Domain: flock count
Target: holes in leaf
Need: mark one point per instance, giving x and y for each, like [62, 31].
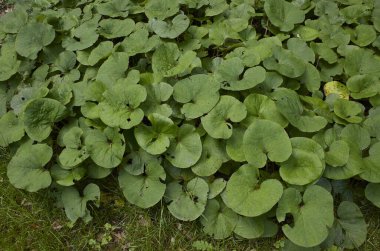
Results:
[229, 126]
[128, 120]
[226, 84]
[365, 153]
[195, 199]
[146, 121]
[161, 180]
[289, 220]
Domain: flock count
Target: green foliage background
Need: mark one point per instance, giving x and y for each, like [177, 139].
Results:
[218, 109]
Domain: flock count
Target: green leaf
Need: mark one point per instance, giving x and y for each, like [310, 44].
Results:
[173, 29]
[32, 38]
[216, 187]
[352, 226]
[363, 86]
[82, 36]
[246, 196]
[372, 193]
[120, 107]
[312, 213]
[186, 149]
[114, 28]
[348, 110]
[114, 8]
[14, 20]
[249, 228]
[301, 49]
[106, 148]
[8, 61]
[217, 122]
[168, 61]
[338, 153]
[305, 164]
[144, 190]
[25, 96]
[76, 205]
[212, 158]
[113, 69]
[285, 62]
[363, 35]
[11, 129]
[155, 139]
[162, 9]
[26, 168]
[157, 94]
[218, 220]
[290, 106]
[229, 74]
[40, 115]
[65, 177]
[262, 107]
[137, 160]
[361, 61]
[187, 202]
[371, 170]
[103, 50]
[234, 145]
[283, 14]
[139, 42]
[199, 94]
[325, 52]
[264, 140]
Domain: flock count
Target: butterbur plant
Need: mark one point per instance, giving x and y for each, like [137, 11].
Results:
[256, 118]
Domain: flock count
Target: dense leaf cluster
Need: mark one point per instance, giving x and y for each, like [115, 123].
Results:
[220, 108]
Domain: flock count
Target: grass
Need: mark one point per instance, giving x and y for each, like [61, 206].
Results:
[31, 221]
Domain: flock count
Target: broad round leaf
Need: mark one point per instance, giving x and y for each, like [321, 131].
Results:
[246, 196]
[312, 214]
[229, 74]
[283, 14]
[212, 158]
[249, 228]
[171, 29]
[106, 148]
[199, 94]
[217, 121]
[187, 202]
[39, 116]
[305, 164]
[216, 187]
[338, 153]
[26, 168]
[352, 224]
[76, 205]
[120, 107]
[155, 139]
[264, 140]
[144, 190]
[186, 149]
[11, 129]
[261, 106]
[218, 220]
[363, 86]
[32, 38]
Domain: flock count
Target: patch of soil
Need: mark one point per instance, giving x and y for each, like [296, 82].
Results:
[4, 7]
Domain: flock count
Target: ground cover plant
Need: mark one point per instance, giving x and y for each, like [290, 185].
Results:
[253, 117]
